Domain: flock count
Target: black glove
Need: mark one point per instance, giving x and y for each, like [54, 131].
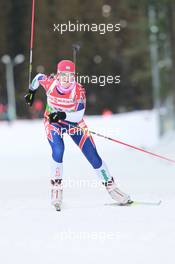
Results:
[56, 116]
[29, 97]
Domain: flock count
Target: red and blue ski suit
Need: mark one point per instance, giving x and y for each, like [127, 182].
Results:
[73, 104]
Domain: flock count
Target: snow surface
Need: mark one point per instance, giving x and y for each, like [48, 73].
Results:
[87, 231]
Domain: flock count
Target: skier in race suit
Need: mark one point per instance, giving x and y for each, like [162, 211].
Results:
[66, 103]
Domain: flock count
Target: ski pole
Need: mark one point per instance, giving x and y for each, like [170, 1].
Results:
[123, 143]
[31, 41]
[134, 147]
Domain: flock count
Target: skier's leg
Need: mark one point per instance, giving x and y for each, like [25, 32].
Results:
[57, 144]
[87, 145]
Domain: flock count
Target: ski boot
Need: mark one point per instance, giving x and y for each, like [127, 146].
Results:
[56, 194]
[116, 194]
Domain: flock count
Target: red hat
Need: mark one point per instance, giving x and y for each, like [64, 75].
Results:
[65, 66]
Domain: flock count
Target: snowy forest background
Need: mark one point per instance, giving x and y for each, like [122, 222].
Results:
[125, 53]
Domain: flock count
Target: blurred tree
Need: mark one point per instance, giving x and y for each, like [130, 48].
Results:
[4, 13]
[171, 24]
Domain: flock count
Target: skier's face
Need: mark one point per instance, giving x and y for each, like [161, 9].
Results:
[66, 78]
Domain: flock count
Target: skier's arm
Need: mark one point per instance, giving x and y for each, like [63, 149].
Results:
[78, 115]
[30, 96]
[36, 81]
[74, 117]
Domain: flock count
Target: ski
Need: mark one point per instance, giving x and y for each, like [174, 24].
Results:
[136, 202]
[153, 203]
